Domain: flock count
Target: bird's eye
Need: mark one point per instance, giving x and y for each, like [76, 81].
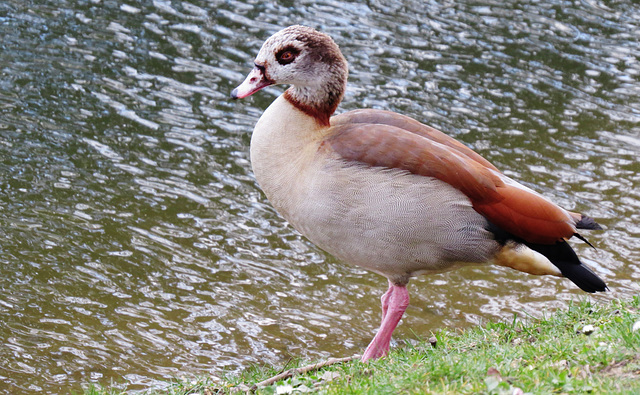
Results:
[287, 55]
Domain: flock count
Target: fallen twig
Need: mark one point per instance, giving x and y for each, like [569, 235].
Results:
[301, 370]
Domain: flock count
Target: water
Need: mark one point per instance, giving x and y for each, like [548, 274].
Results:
[136, 245]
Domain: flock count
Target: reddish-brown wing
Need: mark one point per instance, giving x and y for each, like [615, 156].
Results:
[395, 141]
[381, 117]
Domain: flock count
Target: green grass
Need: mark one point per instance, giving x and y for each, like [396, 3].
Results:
[539, 356]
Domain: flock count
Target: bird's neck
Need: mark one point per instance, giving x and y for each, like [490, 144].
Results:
[319, 99]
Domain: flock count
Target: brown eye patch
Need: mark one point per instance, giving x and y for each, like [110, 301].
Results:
[287, 55]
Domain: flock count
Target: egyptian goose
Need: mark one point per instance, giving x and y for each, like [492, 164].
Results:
[387, 193]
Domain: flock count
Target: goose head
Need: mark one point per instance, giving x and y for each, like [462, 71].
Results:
[309, 61]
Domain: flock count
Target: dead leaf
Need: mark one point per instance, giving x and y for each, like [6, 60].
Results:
[493, 372]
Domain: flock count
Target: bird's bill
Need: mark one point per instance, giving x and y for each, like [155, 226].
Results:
[255, 81]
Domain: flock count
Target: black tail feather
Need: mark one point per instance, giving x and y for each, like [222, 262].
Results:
[564, 258]
[579, 236]
[588, 223]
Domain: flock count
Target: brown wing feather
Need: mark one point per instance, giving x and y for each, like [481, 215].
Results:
[424, 151]
[393, 147]
[370, 116]
[528, 215]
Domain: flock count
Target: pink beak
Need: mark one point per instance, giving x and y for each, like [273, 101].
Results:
[255, 81]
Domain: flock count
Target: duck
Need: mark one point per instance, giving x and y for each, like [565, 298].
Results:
[387, 193]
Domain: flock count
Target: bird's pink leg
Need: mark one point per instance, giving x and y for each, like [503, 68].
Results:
[385, 300]
[397, 299]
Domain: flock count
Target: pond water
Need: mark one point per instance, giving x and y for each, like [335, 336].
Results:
[136, 246]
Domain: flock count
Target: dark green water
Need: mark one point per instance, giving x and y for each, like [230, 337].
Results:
[135, 245]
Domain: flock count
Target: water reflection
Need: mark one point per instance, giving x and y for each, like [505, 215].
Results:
[136, 244]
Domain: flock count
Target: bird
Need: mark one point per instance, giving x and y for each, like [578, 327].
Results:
[387, 193]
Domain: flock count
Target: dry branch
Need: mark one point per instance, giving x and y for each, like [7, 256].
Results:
[301, 370]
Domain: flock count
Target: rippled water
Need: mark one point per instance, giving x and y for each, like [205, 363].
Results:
[135, 245]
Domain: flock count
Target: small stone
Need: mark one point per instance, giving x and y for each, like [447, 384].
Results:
[433, 341]
[588, 329]
[636, 326]
[328, 376]
[284, 389]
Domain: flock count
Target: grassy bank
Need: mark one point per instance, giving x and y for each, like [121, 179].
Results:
[585, 349]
